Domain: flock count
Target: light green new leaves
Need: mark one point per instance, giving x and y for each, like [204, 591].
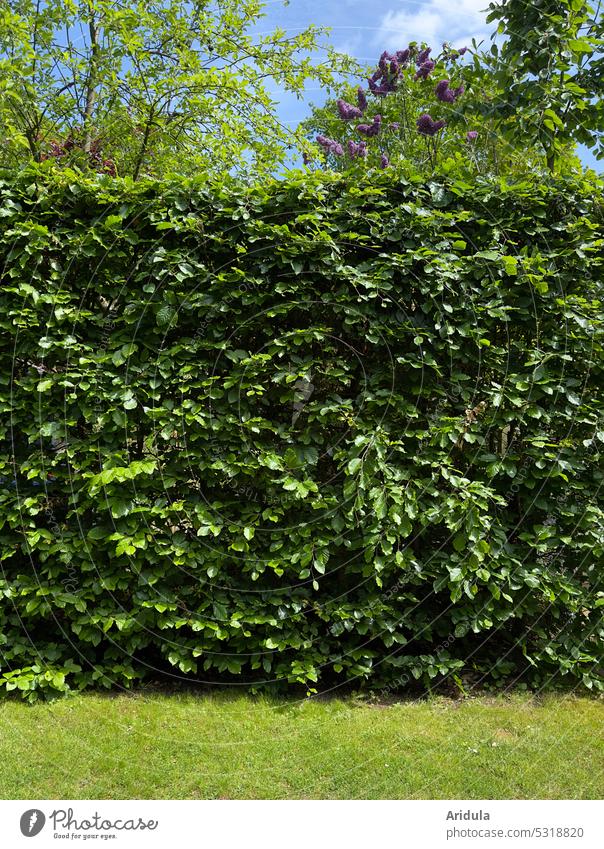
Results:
[149, 87]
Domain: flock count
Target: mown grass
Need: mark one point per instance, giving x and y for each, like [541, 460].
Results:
[183, 746]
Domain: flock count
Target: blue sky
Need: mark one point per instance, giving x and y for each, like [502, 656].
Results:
[363, 28]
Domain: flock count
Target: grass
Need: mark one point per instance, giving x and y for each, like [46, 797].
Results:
[185, 746]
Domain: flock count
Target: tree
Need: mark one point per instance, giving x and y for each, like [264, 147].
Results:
[148, 86]
[376, 122]
[550, 66]
[423, 111]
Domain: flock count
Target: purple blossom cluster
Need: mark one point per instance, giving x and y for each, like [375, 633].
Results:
[330, 145]
[383, 81]
[385, 87]
[348, 111]
[58, 149]
[446, 94]
[427, 126]
[424, 70]
[373, 129]
[356, 149]
[389, 70]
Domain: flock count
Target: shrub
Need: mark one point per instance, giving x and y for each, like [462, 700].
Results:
[309, 432]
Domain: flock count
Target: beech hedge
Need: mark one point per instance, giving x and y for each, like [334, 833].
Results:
[307, 433]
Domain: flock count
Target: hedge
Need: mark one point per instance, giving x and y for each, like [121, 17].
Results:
[307, 433]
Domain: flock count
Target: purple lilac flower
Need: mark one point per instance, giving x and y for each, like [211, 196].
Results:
[384, 161]
[56, 149]
[370, 130]
[348, 111]
[424, 125]
[383, 62]
[385, 88]
[443, 92]
[403, 56]
[356, 149]
[387, 84]
[387, 74]
[424, 70]
[423, 56]
[462, 50]
[446, 94]
[427, 127]
[306, 158]
[330, 145]
[394, 126]
[471, 135]
[361, 100]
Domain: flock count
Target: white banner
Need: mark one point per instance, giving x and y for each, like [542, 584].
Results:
[303, 825]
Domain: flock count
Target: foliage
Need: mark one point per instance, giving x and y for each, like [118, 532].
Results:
[432, 114]
[148, 86]
[550, 66]
[315, 431]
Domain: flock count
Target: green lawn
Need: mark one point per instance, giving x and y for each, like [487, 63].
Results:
[234, 747]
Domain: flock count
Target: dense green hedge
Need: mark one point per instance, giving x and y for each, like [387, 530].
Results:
[309, 432]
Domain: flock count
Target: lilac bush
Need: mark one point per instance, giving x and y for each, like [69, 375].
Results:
[397, 73]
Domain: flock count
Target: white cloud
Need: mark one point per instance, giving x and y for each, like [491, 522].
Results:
[434, 21]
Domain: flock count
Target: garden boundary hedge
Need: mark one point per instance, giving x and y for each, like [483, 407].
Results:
[307, 433]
